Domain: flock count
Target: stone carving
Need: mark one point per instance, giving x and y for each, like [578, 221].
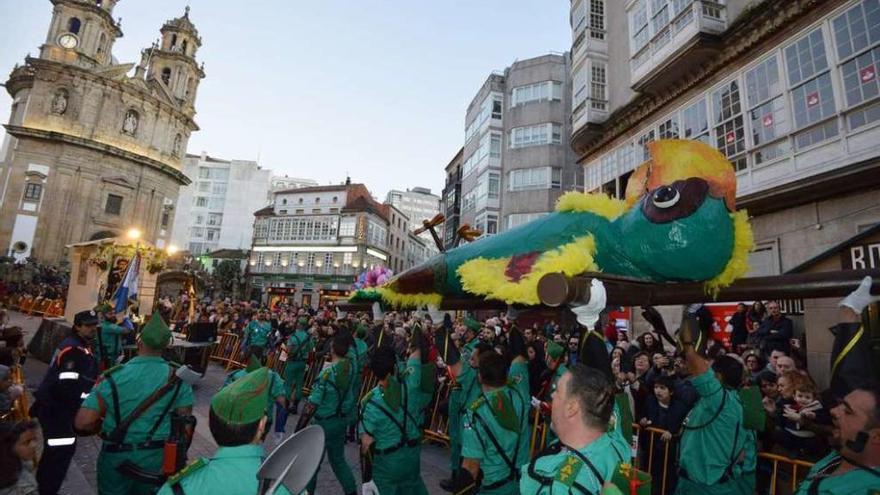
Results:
[60, 101]
[130, 124]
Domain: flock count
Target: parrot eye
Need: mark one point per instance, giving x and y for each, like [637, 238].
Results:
[665, 197]
[675, 201]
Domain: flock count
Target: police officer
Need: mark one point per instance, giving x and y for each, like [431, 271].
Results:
[71, 374]
[109, 338]
[298, 347]
[332, 403]
[132, 406]
[238, 422]
[587, 455]
[493, 431]
[390, 429]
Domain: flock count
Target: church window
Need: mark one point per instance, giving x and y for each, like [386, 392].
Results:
[184, 46]
[33, 192]
[166, 75]
[113, 206]
[101, 42]
[73, 25]
[173, 40]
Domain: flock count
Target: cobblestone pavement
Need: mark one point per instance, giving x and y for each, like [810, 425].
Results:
[82, 477]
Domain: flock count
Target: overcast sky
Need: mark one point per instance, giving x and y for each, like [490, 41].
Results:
[373, 88]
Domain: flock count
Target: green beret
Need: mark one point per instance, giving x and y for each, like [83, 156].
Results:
[244, 401]
[104, 308]
[472, 324]
[554, 350]
[254, 364]
[303, 322]
[156, 335]
[361, 330]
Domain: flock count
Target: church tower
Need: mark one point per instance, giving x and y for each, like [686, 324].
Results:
[173, 61]
[82, 33]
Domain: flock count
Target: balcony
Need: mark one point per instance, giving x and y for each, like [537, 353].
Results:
[690, 39]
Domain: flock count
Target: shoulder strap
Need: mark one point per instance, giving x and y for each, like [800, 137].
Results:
[114, 392]
[118, 434]
[714, 416]
[511, 464]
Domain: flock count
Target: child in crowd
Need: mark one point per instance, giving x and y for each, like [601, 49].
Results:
[801, 420]
[665, 412]
[18, 448]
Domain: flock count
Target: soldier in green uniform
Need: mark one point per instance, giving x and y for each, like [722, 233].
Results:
[518, 378]
[109, 338]
[587, 455]
[256, 335]
[390, 430]
[277, 395]
[471, 332]
[716, 453]
[238, 423]
[464, 391]
[136, 402]
[298, 347]
[492, 432]
[556, 363]
[855, 467]
[332, 403]
[357, 354]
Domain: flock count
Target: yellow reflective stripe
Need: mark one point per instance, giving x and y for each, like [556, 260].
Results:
[846, 349]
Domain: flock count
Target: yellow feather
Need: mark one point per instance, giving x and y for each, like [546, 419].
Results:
[600, 204]
[486, 277]
[409, 300]
[738, 265]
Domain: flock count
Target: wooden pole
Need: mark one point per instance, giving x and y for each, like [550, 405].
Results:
[555, 289]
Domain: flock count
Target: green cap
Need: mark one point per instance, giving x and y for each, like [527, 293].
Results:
[361, 330]
[244, 401]
[554, 350]
[472, 324]
[104, 308]
[303, 322]
[254, 364]
[156, 335]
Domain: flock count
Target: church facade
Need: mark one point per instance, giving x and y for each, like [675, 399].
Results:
[94, 147]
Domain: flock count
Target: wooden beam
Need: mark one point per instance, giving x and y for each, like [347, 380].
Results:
[555, 289]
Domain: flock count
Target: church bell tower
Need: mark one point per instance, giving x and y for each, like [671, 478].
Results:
[173, 61]
[82, 33]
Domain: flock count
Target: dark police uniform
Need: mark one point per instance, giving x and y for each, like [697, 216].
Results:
[71, 374]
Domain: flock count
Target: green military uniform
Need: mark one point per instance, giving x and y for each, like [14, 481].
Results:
[518, 380]
[119, 391]
[494, 427]
[333, 396]
[233, 469]
[257, 332]
[110, 346]
[299, 345]
[391, 416]
[858, 481]
[715, 446]
[464, 392]
[357, 354]
[561, 470]
[276, 384]
[560, 370]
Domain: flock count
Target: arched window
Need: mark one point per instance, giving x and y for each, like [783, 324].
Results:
[166, 76]
[101, 42]
[73, 25]
[183, 47]
[173, 40]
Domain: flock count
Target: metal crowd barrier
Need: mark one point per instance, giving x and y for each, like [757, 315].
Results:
[791, 467]
[34, 306]
[438, 422]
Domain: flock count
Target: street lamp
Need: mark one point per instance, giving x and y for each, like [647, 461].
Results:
[172, 250]
[133, 234]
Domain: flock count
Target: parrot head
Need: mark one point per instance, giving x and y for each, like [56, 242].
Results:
[680, 222]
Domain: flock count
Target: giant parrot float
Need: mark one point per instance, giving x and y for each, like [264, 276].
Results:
[677, 222]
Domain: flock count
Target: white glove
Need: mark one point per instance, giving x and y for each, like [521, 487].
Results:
[588, 314]
[436, 314]
[378, 315]
[860, 298]
[535, 402]
[370, 488]
[340, 314]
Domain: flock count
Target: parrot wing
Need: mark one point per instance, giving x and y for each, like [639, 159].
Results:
[514, 279]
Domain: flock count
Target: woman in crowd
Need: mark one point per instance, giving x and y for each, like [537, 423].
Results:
[18, 449]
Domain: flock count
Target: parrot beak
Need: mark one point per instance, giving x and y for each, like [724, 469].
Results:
[678, 160]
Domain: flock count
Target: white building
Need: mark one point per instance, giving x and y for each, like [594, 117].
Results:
[282, 182]
[216, 210]
[417, 204]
